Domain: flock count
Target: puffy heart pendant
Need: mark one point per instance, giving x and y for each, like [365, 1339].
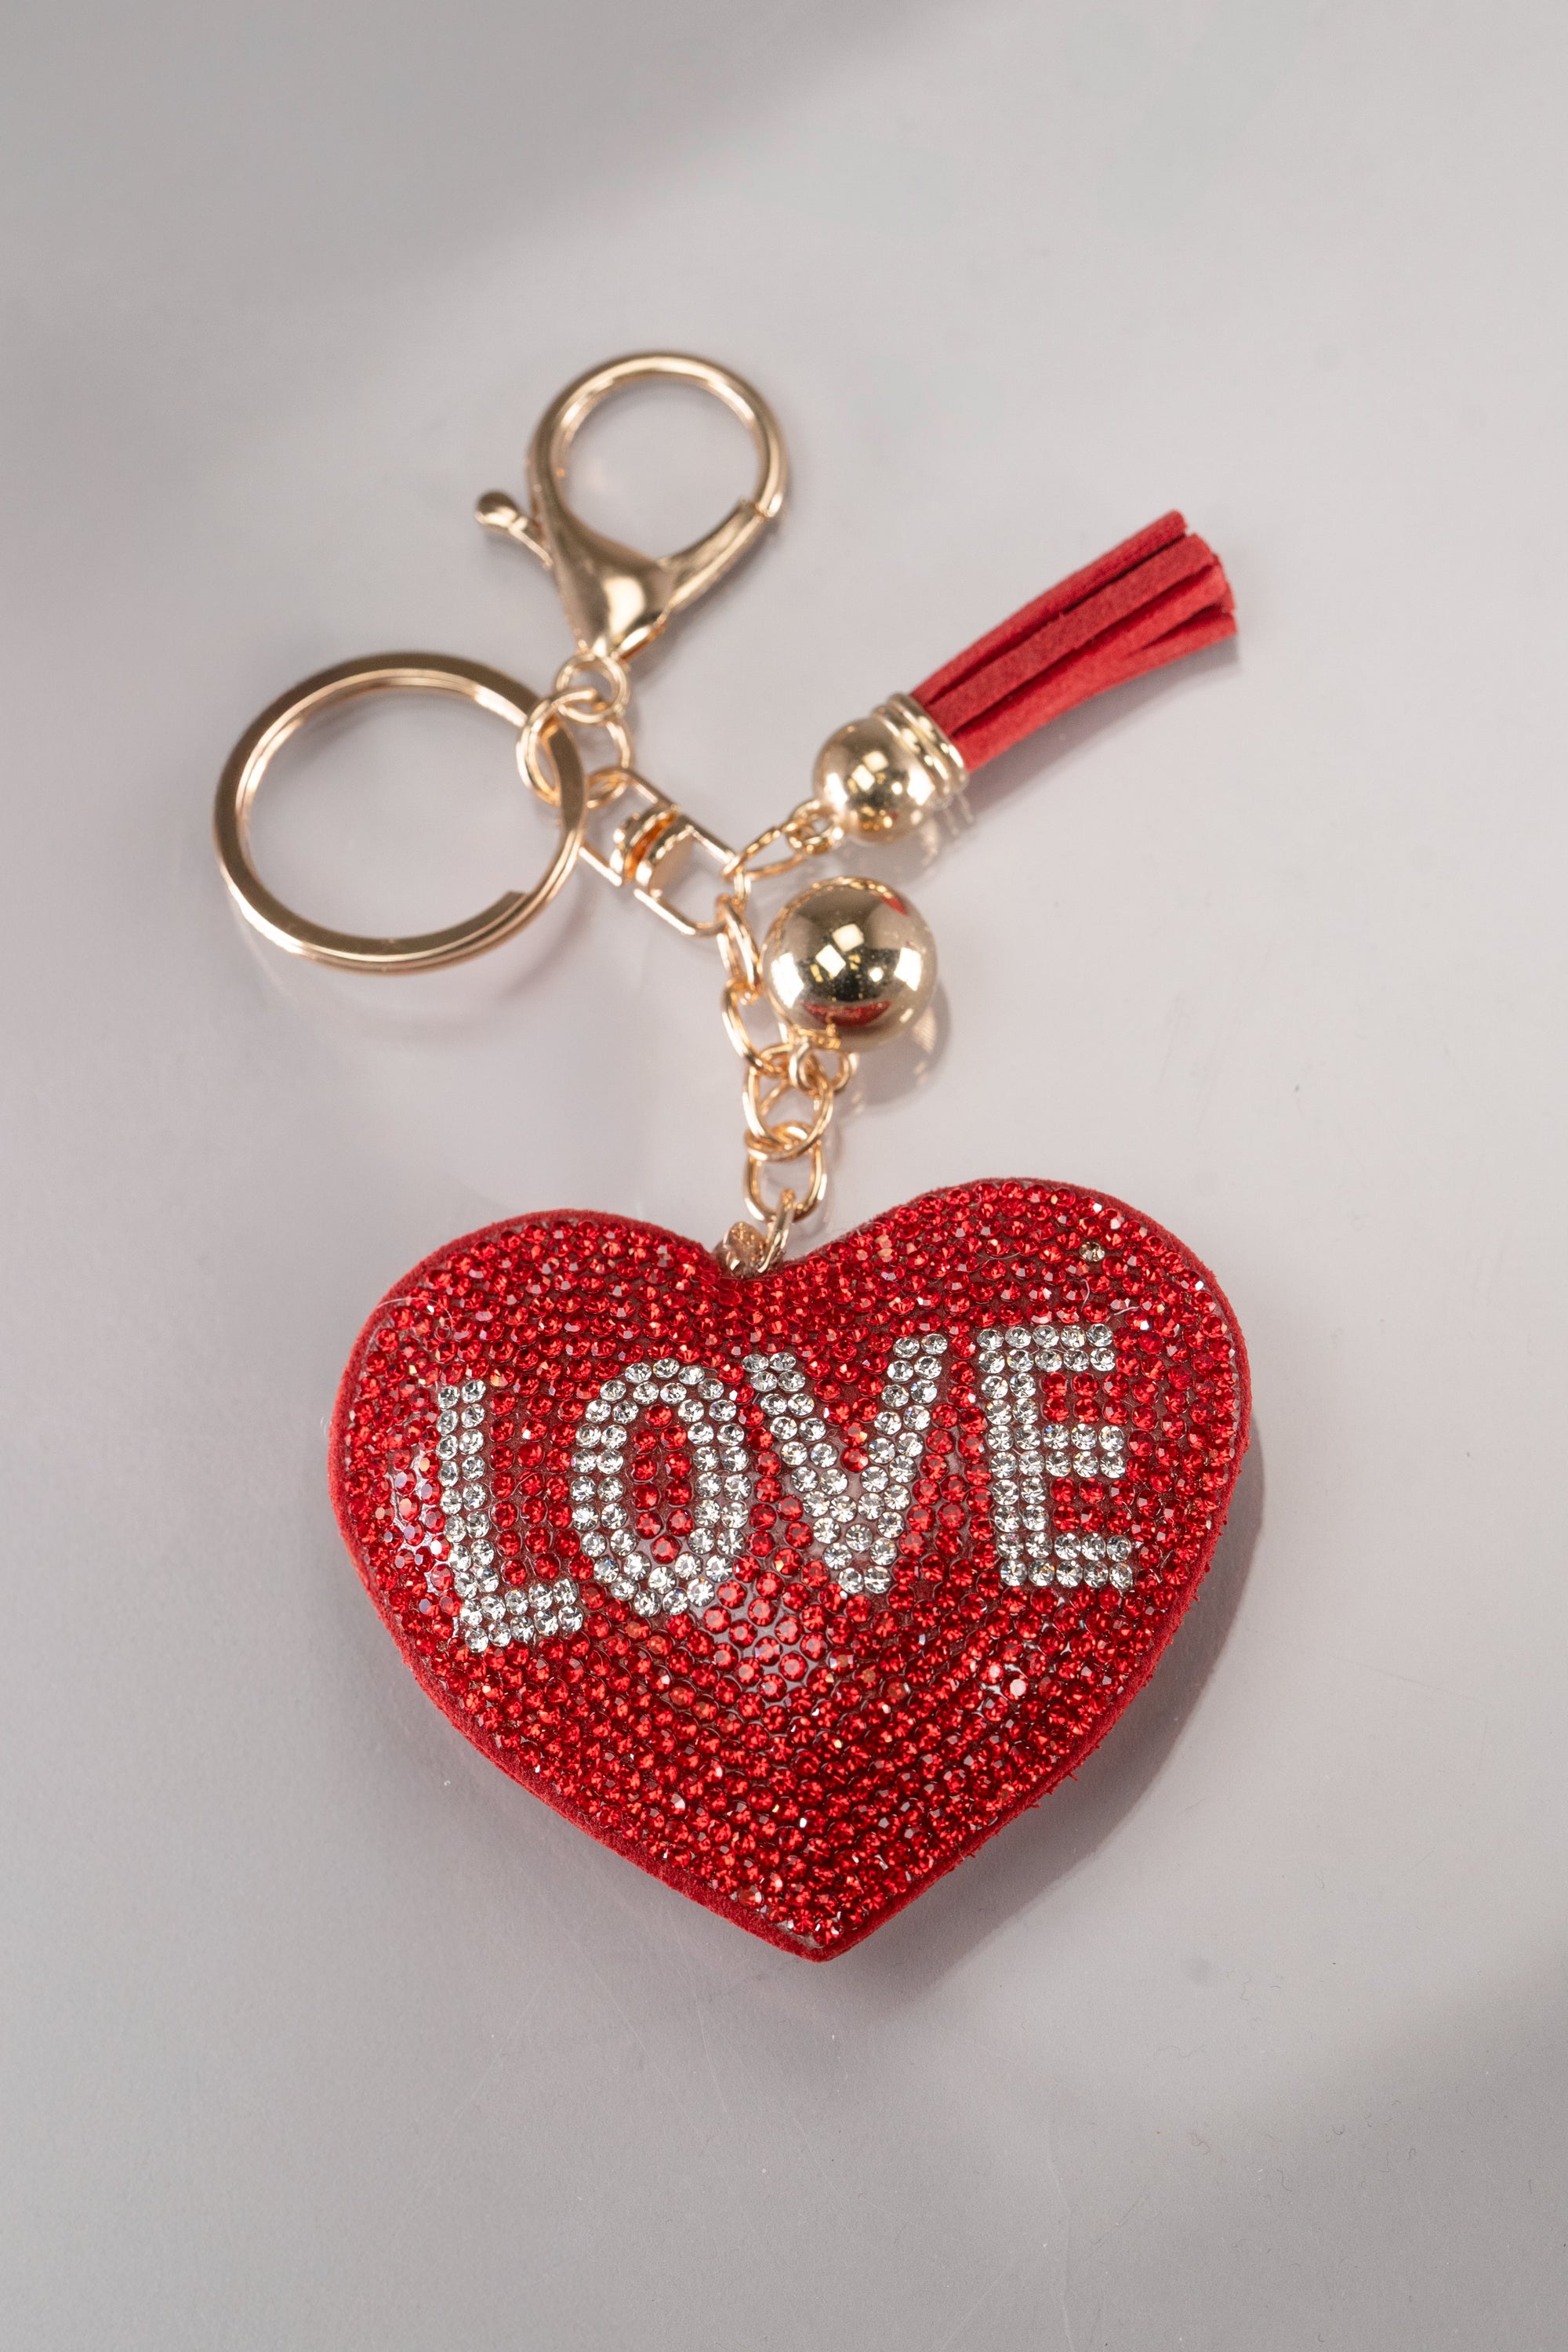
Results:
[794, 1589]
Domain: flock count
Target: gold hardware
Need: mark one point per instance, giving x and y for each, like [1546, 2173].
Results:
[615, 600]
[850, 962]
[643, 847]
[793, 1063]
[746, 1250]
[575, 700]
[880, 775]
[350, 682]
[884, 774]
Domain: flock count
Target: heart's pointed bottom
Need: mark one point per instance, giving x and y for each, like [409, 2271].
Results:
[794, 1589]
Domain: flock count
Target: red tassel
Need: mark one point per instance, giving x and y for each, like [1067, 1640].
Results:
[1159, 595]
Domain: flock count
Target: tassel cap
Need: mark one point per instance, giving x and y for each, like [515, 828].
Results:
[882, 774]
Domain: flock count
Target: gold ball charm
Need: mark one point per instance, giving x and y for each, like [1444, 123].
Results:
[850, 962]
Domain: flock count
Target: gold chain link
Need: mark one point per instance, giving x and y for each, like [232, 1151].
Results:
[577, 700]
[791, 1082]
[790, 1067]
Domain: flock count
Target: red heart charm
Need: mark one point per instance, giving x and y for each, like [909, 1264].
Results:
[792, 1589]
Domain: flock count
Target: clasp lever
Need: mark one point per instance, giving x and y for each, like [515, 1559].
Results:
[615, 600]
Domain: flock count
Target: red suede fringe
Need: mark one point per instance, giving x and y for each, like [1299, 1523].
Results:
[1159, 595]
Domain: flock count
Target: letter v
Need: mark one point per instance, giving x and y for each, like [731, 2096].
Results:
[858, 1533]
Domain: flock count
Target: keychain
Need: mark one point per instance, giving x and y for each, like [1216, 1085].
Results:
[791, 1579]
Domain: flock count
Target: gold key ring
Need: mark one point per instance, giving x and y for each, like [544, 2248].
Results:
[350, 682]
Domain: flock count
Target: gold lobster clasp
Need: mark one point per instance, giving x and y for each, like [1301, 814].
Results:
[615, 600]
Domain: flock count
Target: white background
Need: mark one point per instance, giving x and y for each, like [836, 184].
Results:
[319, 2033]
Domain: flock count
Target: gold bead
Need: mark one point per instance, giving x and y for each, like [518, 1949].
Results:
[850, 962]
[882, 774]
